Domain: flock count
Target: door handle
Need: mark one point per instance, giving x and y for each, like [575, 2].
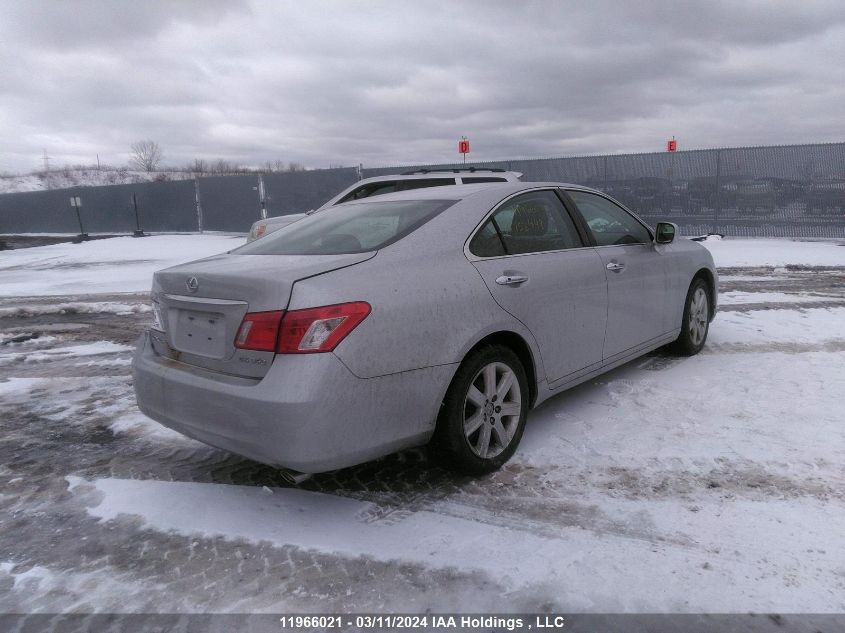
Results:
[511, 280]
[615, 267]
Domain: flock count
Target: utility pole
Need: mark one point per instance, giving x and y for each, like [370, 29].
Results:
[46, 160]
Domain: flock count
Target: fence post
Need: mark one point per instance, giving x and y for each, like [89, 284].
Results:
[262, 198]
[605, 173]
[198, 203]
[138, 232]
[718, 201]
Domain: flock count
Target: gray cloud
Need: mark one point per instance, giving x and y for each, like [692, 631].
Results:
[399, 82]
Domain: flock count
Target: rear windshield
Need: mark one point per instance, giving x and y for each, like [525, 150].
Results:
[352, 228]
[389, 186]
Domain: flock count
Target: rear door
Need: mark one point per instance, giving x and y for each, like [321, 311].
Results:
[637, 281]
[538, 269]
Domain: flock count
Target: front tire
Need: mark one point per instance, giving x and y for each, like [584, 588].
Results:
[696, 320]
[483, 414]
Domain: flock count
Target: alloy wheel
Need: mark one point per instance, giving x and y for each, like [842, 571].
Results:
[492, 409]
[698, 314]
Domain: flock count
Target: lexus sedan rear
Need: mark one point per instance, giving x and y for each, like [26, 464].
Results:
[435, 316]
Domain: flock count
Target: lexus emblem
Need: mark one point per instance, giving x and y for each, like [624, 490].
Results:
[192, 284]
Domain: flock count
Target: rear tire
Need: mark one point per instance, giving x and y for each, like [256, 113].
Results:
[696, 320]
[483, 415]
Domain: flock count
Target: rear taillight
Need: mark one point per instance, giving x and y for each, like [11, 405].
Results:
[319, 329]
[259, 331]
[300, 331]
[158, 317]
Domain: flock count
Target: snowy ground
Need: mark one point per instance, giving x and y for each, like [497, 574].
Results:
[115, 265]
[714, 483]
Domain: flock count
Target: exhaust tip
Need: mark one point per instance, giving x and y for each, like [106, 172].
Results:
[293, 477]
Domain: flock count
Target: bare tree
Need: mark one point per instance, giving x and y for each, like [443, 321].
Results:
[146, 155]
[222, 166]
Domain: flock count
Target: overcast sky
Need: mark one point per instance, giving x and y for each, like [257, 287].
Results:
[384, 83]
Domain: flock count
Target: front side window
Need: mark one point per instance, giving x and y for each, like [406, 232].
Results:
[609, 223]
[357, 228]
[529, 223]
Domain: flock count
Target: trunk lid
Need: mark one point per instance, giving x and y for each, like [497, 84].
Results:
[201, 304]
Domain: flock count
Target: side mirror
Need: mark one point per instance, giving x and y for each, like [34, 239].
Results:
[665, 233]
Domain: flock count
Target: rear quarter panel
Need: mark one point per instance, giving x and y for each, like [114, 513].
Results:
[430, 306]
[424, 312]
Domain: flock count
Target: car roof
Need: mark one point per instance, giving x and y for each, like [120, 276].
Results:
[462, 192]
[451, 174]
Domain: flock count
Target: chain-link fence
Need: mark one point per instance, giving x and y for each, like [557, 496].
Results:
[783, 191]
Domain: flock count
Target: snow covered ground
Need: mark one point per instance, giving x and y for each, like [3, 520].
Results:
[713, 483]
[125, 264]
[775, 252]
[119, 264]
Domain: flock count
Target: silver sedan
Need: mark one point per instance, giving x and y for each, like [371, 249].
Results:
[436, 316]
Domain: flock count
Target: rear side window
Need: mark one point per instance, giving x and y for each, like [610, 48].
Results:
[530, 223]
[609, 223]
[357, 228]
[487, 242]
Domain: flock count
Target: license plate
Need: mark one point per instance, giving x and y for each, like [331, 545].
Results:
[201, 333]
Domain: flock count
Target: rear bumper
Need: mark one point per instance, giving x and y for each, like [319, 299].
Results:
[309, 413]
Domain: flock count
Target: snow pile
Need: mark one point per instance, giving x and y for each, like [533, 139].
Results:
[738, 297]
[763, 327]
[84, 349]
[77, 307]
[120, 264]
[24, 339]
[774, 252]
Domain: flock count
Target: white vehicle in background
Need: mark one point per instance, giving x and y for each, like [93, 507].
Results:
[378, 185]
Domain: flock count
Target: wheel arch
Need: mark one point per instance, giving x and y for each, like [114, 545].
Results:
[707, 275]
[520, 347]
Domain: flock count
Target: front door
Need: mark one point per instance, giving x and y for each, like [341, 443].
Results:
[637, 279]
